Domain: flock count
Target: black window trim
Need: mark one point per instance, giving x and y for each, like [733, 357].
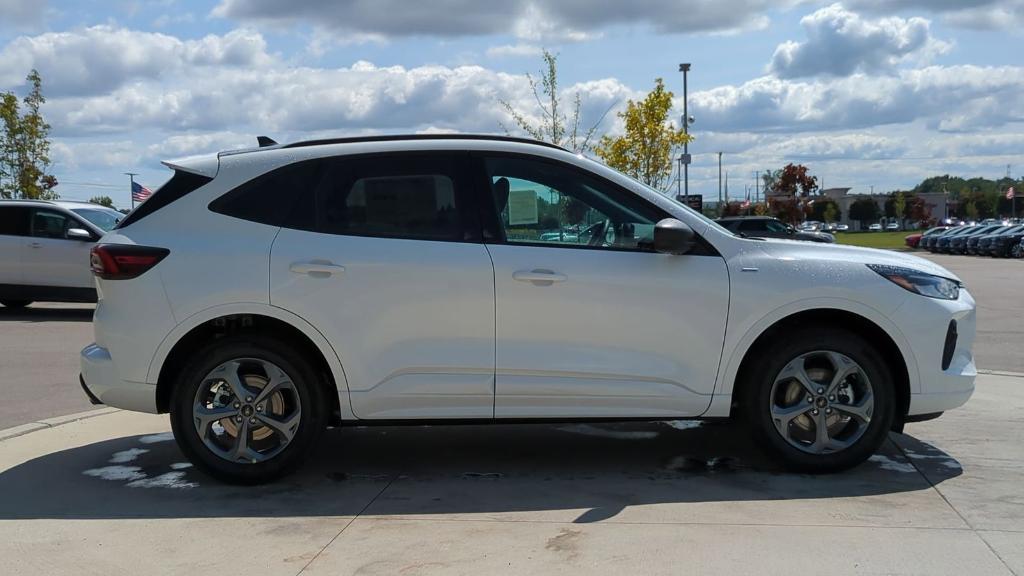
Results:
[494, 232]
[466, 200]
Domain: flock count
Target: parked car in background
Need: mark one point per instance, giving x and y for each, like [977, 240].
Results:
[929, 242]
[914, 239]
[875, 228]
[892, 226]
[44, 250]
[941, 244]
[1017, 250]
[1002, 245]
[768, 227]
[389, 287]
[958, 245]
[842, 227]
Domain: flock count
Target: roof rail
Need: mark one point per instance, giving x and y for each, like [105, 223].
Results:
[397, 137]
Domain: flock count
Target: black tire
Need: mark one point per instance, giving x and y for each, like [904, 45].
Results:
[755, 399]
[15, 304]
[313, 419]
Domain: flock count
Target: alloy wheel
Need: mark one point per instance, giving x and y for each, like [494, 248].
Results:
[821, 402]
[246, 410]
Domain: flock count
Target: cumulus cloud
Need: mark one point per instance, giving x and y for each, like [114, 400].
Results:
[99, 59]
[549, 20]
[513, 51]
[950, 98]
[840, 42]
[979, 14]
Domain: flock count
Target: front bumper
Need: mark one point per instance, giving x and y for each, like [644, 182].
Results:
[925, 322]
[102, 384]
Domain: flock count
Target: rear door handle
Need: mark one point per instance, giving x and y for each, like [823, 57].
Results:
[316, 268]
[539, 277]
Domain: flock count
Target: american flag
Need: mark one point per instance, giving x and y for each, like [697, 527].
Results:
[140, 192]
[1010, 193]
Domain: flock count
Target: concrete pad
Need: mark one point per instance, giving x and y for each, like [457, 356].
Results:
[1009, 546]
[388, 546]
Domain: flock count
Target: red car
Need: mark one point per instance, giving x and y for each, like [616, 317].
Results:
[913, 240]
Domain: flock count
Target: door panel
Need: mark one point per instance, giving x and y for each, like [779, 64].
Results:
[49, 258]
[624, 335]
[411, 320]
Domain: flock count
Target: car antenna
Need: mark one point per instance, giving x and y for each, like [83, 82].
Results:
[265, 141]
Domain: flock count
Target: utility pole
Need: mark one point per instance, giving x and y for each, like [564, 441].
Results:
[131, 189]
[720, 207]
[685, 158]
[757, 186]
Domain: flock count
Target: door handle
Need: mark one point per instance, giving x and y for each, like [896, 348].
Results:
[539, 277]
[316, 268]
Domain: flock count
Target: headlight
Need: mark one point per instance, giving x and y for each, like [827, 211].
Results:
[919, 282]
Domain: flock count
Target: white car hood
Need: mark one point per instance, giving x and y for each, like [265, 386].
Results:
[797, 250]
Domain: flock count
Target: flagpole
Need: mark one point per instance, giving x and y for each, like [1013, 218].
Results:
[131, 177]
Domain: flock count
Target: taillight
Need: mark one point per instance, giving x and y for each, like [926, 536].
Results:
[124, 261]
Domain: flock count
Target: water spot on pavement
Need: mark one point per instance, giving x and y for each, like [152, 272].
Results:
[683, 424]
[116, 473]
[154, 438]
[482, 476]
[125, 456]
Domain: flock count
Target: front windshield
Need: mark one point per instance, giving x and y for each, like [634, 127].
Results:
[103, 218]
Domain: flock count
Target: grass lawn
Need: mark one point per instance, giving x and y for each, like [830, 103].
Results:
[887, 240]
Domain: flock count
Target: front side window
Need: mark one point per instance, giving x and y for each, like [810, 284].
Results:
[774, 226]
[104, 219]
[753, 226]
[550, 204]
[50, 224]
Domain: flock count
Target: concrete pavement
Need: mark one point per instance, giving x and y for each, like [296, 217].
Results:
[113, 495]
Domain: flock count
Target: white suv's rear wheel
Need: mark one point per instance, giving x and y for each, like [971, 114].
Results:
[820, 400]
[247, 409]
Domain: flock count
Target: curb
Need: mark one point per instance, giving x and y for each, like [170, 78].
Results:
[23, 429]
[1001, 373]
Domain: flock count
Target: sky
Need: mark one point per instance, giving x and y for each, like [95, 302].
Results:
[869, 94]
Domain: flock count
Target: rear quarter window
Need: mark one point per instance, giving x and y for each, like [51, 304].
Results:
[180, 185]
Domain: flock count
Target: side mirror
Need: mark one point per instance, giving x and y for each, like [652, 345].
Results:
[673, 237]
[79, 234]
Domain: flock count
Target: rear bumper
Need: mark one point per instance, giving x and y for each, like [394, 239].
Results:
[101, 383]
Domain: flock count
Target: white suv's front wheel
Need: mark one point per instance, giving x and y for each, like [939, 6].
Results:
[247, 409]
[820, 400]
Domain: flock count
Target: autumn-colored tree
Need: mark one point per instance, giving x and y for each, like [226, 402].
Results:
[555, 126]
[794, 180]
[102, 201]
[644, 151]
[25, 145]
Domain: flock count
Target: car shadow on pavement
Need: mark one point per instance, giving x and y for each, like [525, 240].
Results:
[599, 469]
[83, 314]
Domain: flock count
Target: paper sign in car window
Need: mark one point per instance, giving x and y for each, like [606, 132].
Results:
[522, 207]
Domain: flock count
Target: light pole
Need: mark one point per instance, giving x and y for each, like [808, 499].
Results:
[131, 189]
[685, 158]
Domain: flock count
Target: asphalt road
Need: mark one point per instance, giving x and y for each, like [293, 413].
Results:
[39, 346]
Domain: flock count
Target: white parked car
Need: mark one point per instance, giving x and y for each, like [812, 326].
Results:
[262, 295]
[875, 228]
[892, 226]
[44, 250]
[842, 227]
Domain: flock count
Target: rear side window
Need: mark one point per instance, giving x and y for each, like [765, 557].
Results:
[14, 221]
[181, 184]
[753, 225]
[270, 198]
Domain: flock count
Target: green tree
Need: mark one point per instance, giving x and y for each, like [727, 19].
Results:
[102, 201]
[25, 145]
[899, 206]
[864, 210]
[831, 213]
[555, 126]
[970, 210]
[644, 151]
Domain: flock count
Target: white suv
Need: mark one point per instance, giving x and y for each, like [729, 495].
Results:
[44, 250]
[262, 295]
